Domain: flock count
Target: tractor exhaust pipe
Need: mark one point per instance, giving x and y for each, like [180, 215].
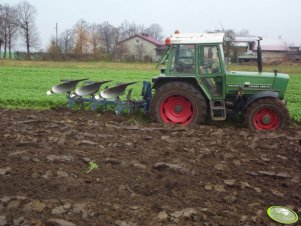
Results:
[259, 55]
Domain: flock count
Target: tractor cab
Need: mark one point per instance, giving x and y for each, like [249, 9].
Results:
[199, 56]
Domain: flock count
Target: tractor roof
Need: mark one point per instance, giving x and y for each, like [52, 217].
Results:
[193, 38]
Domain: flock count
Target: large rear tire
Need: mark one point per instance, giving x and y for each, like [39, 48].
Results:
[267, 114]
[178, 103]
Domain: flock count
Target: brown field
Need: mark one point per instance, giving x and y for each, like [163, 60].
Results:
[147, 174]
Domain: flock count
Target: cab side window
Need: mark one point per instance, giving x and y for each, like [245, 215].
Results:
[209, 60]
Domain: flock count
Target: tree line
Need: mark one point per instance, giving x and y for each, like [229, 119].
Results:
[18, 22]
[91, 41]
[83, 41]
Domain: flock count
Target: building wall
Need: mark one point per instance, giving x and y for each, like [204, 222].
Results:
[294, 55]
[140, 49]
[274, 56]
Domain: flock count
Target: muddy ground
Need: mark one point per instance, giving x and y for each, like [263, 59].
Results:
[147, 174]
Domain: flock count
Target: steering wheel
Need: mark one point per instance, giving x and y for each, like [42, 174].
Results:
[209, 67]
[182, 65]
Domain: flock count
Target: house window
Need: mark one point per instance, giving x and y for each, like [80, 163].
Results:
[137, 41]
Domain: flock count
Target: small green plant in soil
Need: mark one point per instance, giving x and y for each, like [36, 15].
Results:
[92, 166]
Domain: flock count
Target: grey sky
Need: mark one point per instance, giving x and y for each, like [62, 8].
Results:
[268, 18]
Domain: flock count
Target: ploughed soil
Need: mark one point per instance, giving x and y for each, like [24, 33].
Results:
[147, 174]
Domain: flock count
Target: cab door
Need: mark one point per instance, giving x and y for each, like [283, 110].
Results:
[210, 71]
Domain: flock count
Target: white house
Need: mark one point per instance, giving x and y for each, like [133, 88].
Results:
[141, 48]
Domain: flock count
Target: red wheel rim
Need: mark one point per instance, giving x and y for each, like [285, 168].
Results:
[176, 110]
[266, 119]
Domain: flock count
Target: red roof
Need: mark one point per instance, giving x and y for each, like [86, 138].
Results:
[147, 38]
[152, 40]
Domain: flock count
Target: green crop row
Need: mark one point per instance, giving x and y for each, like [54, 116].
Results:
[23, 87]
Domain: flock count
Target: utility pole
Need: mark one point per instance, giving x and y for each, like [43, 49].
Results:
[56, 35]
[67, 39]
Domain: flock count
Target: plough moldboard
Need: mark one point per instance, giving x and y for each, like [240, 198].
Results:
[89, 92]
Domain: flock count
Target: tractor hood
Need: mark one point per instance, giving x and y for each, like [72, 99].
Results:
[252, 82]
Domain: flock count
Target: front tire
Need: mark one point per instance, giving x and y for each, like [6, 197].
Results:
[267, 114]
[178, 103]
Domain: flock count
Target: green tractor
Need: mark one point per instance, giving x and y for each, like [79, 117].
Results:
[195, 84]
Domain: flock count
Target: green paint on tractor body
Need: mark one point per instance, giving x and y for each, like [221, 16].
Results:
[198, 60]
[191, 64]
[253, 82]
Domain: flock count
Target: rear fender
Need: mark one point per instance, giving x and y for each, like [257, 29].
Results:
[159, 81]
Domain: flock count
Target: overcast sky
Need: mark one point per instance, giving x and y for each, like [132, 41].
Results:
[268, 18]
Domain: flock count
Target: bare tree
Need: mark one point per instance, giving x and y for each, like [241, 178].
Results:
[12, 27]
[2, 28]
[1, 41]
[8, 28]
[244, 33]
[127, 30]
[121, 53]
[110, 36]
[26, 20]
[95, 40]
[81, 32]
[60, 48]
[155, 30]
[66, 42]
[229, 48]
[53, 50]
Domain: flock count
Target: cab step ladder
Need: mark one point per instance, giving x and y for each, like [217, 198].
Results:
[218, 110]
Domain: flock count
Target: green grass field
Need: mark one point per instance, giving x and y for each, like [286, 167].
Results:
[24, 84]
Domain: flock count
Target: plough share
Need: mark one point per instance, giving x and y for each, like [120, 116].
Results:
[89, 92]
